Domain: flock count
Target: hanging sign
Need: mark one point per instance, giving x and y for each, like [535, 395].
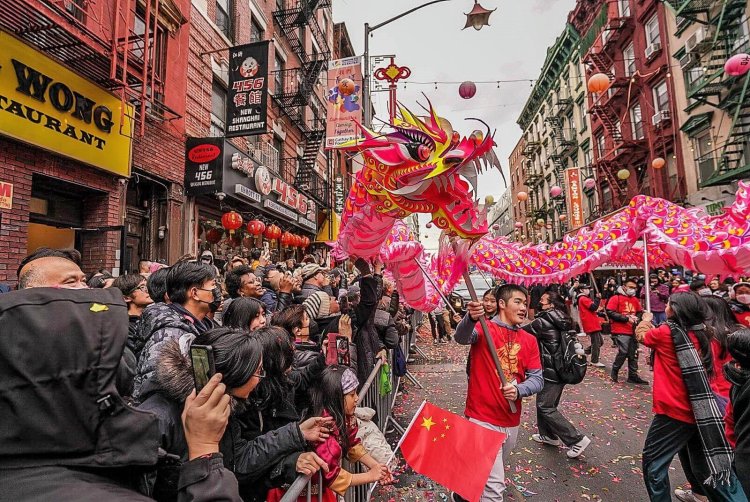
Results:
[6, 195]
[338, 195]
[247, 95]
[344, 108]
[574, 196]
[203, 165]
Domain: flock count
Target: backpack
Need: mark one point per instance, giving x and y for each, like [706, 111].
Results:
[399, 362]
[569, 365]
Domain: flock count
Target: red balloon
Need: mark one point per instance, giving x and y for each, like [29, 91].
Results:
[256, 227]
[231, 221]
[467, 89]
[214, 235]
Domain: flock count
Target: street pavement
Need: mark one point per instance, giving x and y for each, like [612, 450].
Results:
[615, 416]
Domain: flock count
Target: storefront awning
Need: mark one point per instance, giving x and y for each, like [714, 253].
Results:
[329, 231]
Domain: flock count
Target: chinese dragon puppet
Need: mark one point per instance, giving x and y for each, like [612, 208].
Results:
[423, 166]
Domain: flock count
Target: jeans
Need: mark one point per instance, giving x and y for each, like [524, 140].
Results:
[596, 344]
[549, 420]
[626, 349]
[493, 491]
[666, 437]
[659, 318]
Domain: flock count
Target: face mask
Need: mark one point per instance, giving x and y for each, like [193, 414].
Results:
[744, 299]
[630, 291]
[705, 292]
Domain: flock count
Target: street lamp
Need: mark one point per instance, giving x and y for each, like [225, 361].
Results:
[477, 18]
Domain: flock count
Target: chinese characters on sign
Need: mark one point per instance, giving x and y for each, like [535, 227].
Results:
[247, 95]
[344, 101]
[338, 195]
[575, 196]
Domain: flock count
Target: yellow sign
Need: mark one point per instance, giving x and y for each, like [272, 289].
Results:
[6, 195]
[47, 105]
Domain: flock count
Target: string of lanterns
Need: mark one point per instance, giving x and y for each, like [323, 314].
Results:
[232, 226]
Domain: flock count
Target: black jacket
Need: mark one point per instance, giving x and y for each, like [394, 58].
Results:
[309, 363]
[307, 290]
[740, 398]
[276, 302]
[249, 460]
[548, 328]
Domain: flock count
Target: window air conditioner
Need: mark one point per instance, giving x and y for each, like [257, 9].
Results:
[652, 49]
[659, 117]
[687, 60]
[695, 39]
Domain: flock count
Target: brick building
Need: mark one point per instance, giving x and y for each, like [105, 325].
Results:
[91, 135]
[518, 210]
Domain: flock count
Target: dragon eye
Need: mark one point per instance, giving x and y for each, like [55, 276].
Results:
[455, 138]
[423, 152]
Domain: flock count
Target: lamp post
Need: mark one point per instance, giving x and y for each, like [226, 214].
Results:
[477, 18]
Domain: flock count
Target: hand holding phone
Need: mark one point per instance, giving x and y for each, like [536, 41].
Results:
[202, 357]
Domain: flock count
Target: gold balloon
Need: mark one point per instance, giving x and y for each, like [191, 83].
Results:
[623, 174]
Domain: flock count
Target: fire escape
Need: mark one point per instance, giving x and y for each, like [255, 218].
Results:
[564, 144]
[125, 63]
[720, 37]
[295, 17]
[608, 109]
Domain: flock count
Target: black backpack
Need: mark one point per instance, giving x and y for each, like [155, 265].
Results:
[569, 366]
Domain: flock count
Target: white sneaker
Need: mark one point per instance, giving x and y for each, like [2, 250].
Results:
[597, 365]
[688, 496]
[546, 440]
[578, 448]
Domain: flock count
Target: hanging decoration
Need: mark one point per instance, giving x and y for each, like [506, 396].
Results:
[467, 89]
[478, 17]
[522, 196]
[589, 183]
[598, 83]
[518, 225]
[305, 241]
[540, 222]
[563, 217]
[286, 239]
[256, 227]
[737, 65]
[623, 174]
[555, 191]
[658, 163]
[272, 232]
[214, 235]
[495, 227]
[231, 221]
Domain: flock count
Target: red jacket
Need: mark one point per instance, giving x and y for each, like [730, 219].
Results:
[590, 322]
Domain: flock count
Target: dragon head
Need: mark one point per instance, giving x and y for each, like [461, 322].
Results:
[423, 166]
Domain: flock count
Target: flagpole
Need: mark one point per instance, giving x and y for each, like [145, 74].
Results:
[429, 278]
[393, 455]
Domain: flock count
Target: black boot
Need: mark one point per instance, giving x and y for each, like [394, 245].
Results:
[613, 375]
[637, 380]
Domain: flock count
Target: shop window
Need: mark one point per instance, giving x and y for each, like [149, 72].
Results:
[224, 14]
[652, 31]
[628, 57]
[661, 97]
[218, 109]
[636, 122]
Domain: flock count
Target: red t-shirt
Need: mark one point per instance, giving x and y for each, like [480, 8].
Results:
[719, 383]
[590, 322]
[669, 395]
[743, 318]
[518, 352]
[626, 305]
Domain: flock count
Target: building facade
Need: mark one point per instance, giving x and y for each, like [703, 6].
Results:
[635, 120]
[500, 216]
[91, 137]
[518, 208]
[713, 108]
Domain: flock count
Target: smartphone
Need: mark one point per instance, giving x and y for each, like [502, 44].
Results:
[202, 357]
[342, 351]
[266, 250]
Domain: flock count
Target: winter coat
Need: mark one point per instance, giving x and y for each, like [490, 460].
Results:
[159, 323]
[276, 302]
[740, 399]
[250, 461]
[386, 326]
[659, 296]
[307, 290]
[372, 438]
[548, 328]
[309, 363]
[366, 338]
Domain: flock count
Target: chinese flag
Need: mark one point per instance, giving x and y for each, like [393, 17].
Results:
[451, 451]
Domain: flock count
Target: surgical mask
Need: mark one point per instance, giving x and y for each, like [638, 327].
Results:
[630, 291]
[217, 297]
[744, 299]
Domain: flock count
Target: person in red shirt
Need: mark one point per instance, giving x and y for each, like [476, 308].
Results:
[623, 309]
[487, 401]
[674, 424]
[740, 302]
[591, 323]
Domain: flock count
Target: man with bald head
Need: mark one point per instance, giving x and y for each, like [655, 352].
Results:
[52, 268]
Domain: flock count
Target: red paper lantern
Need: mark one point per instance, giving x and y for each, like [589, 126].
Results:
[658, 163]
[297, 241]
[256, 227]
[286, 239]
[272, 232]
[214, 235]
[231, 221]
[737, 65]
[598, 83]
[305, 241]
[467, 89]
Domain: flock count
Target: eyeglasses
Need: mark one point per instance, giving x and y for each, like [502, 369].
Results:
[142, 288]
[260, 373]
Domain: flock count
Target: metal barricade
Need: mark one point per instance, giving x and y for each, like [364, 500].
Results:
[302, 483]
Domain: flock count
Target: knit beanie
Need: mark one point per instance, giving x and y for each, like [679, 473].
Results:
[317, 305]
[349, 381]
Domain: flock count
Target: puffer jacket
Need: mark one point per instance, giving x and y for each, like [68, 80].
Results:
[159, 324]
[269, 457]
[548, 328]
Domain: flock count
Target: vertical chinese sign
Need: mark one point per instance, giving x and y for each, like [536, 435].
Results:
[247, 96]
[574, 185]
[344, 98]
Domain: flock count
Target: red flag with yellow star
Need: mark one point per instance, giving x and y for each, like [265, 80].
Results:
[451, 451]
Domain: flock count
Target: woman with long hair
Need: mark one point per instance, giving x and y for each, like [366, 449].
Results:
[686, 413]
[245, 313]
[550, 328]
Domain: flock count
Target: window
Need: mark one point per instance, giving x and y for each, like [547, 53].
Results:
[704, 155]
[743, 35]
[624, 7]
[218, 109]
[636, 122]
[652, 30]
[673, 179]
[661, 97]
[159, 51]
[606, 197]
[587, 157]
[224, 14]
[278, 66]
[628, 57]
[600, 146]
[77, 9]
[256, 31]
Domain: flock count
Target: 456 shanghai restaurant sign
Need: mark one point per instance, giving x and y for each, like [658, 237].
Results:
[45, 104]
